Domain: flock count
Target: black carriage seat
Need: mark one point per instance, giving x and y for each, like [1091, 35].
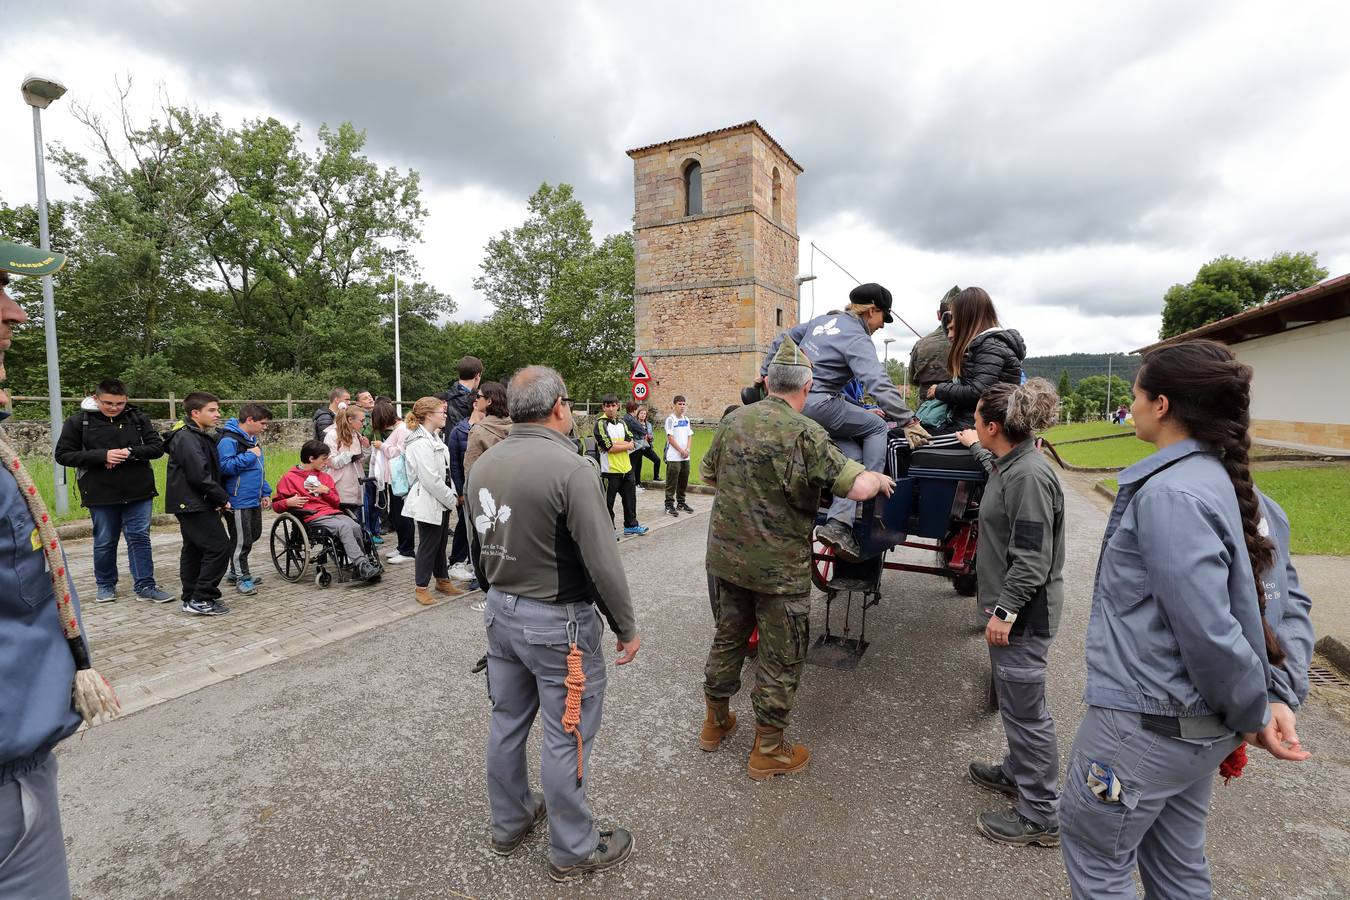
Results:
[948, 459]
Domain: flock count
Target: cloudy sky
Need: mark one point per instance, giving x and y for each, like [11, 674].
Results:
[1073, 159]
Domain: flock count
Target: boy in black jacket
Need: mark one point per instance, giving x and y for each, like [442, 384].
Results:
[193, 492]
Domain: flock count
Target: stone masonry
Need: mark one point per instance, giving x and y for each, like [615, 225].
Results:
[713, 289]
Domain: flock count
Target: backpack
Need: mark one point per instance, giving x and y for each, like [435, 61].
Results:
[398, 477]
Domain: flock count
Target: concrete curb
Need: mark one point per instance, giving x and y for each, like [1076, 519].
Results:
[1105, 491]
[1336, 651]
[1093, 440]
[693, 488]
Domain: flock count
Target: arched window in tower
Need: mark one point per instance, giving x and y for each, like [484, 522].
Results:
[693, 188]
[777, 196]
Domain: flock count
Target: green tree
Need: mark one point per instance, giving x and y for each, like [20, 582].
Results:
[895, 371]
[561, 300]
[1065, 387]
[1092, 394]
[1226, 286]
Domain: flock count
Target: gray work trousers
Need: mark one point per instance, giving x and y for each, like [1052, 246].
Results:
[859, 434]
[1032, 762]
[1159, 825]
[32, 848]
[527, 663]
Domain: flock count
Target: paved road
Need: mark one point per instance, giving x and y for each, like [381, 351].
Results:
[355, 770]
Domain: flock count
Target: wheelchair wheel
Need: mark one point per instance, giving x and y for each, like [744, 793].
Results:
[290, 547]
[323, 578]
[822, 570]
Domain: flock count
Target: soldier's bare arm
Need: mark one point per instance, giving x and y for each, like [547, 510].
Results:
[868, 484]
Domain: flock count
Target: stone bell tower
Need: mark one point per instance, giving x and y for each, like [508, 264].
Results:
[716, 261]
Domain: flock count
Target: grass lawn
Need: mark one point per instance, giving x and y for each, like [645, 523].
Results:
[1082, 430]
[278, 461]
[702, 438]
[1315, 501]
[1105, 454]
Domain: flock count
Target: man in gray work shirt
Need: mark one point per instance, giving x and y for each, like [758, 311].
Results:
[544, 547]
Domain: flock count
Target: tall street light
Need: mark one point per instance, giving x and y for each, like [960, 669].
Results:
[398, 351]
[38, 93]
[887, 342]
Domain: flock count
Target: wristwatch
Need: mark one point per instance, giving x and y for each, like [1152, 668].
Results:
[1006, 615]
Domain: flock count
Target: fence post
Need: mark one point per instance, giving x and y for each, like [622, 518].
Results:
[290, 406]
[172, 408]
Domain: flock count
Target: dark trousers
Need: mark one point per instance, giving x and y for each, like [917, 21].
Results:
[431, 541]
[459, 547]
[373, 504]
[205, 555]
[636, 458]
[677, 480]
[404, 527]
[1032, 761]
[624, 486]
[244, 526]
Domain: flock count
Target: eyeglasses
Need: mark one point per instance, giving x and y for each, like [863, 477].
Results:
[567, 400]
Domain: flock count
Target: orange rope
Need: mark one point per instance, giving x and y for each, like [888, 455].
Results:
[576, 683]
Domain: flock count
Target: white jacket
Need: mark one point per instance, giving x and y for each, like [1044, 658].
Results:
[426, 461]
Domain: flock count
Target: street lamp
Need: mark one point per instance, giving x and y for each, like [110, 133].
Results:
[888, 342]
[38, 93]
[398, 354]
[799, 281]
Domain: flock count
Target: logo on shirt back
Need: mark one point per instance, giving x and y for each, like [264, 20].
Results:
[828, 328]
[491, 516]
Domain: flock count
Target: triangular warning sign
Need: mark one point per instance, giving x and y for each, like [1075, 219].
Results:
[640, 372]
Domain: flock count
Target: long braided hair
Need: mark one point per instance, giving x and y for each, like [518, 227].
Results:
[1209, 393]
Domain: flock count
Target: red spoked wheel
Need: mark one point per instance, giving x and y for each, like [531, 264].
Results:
[822, 564]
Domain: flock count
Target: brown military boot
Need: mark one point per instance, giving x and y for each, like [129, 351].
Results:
[718, 726]
[774, 754]
[446, 586]
[424, 596]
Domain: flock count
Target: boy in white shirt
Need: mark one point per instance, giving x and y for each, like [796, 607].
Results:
[679, 442]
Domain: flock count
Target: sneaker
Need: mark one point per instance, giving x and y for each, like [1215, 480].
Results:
[684, 507]
[636, 529]
[155, 594]
[640, 489]
[461, 572]
[473, 586]
[991, 778]
[106, 595]
[509, 846]
[395, 558]
[376, 540]
[478, 605]
[671, 511]
[841, 539]
[220, 608]
[231, 578]
[203, 608]
[614, 848]
[1008, 826]
[246, 586]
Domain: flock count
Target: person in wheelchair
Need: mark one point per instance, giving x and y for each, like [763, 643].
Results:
[840, 348]
[309, 492]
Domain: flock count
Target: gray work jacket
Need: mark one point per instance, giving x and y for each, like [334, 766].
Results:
[1021, 549]
[1288, 610]
[1175, 629]
[840, 349]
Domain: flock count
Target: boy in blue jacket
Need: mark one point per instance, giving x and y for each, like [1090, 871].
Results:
[243, 470]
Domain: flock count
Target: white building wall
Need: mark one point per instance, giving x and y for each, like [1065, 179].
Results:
[1301, 375]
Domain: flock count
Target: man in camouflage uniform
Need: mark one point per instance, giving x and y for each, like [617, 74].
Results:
[928, 359]
[769, 464]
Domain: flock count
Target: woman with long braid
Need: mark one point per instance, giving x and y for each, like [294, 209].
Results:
[47, 685]
[1185, 657]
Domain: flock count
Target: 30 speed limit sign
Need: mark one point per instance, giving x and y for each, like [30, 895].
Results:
[639, 391]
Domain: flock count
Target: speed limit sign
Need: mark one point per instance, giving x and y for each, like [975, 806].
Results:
[639, 391]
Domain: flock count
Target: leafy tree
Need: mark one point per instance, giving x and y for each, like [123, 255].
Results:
[1065, 387]
[1092, 394]
[1226, 286]
[895, 371]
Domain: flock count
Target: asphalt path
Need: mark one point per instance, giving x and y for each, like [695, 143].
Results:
[356, 770]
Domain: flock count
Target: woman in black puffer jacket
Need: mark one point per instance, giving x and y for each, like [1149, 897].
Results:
[982, 354]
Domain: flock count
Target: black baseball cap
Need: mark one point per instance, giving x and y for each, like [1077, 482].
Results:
[873, 294]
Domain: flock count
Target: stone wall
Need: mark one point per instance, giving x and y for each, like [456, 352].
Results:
[33, 438]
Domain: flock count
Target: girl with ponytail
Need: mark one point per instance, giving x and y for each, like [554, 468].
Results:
[1198, 638]
[1019, 565]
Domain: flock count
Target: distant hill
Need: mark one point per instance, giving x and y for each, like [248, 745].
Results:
[1079, 366]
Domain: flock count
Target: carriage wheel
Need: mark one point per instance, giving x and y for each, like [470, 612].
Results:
[290, 547]
[822, 570]
[966, 585]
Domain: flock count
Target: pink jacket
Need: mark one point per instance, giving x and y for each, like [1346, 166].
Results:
[344, 464]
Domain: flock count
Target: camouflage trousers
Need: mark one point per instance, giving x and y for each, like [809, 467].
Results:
[784, 630]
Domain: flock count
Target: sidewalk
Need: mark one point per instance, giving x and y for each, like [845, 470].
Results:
[154, 652]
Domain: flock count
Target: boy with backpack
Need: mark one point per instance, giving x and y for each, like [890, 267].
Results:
[193, 492]
[245, 479]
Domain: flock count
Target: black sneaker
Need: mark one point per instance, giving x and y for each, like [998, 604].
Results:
[221, 608]
[506, 848]
[684, 507]
[203, 608]
[1008, 826]
[613, 849]
[841, 539]
[991, 778]
[670, 511]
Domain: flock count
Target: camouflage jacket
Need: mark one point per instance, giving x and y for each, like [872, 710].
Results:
[928, 360]
[769, 464]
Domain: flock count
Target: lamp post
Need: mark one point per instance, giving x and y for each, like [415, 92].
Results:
[799, 281]
[38, 93]
[398, 356]
[887, 342]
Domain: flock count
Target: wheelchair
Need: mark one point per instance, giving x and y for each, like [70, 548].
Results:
[300, 545]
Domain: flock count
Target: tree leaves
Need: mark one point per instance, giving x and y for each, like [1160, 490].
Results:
[1226, 286]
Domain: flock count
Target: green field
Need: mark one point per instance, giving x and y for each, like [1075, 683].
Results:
[1113, 454]
[702, 438]
[1084, 430]
[1314, 499]
[278, 461]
